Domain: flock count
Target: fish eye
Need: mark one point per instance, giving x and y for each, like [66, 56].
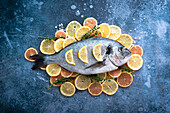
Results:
[120, 49]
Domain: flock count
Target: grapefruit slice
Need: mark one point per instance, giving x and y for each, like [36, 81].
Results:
[115, 73]
[95, 89]
[60, 33]
[30, 52]
[66, 73]
[125, 79]
[53, 79]
[136, 49]
[90, 22]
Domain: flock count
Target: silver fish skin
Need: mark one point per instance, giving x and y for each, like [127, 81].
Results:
[113, 53]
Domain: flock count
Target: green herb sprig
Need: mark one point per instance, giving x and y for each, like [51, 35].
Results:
[97, 79]
[50, 38]
[124, 68]
[91, 33]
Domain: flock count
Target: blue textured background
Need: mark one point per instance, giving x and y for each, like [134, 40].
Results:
[23, 90]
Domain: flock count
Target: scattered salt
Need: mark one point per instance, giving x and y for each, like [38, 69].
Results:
[56, 27]
[91, 6]
[84, 3]
[135, 29]
[139, 38]
[82, 16]
[135, 37]
[133, 18]
[77, 13]
[73, 7]
[130, 30]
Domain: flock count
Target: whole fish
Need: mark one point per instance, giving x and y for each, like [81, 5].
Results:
[113, 53]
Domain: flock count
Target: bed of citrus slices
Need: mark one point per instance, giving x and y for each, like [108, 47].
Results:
[107, 82]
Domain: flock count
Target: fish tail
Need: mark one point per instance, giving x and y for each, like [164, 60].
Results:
[39, 61]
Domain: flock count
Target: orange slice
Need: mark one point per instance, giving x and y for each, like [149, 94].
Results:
[135, 62]
[136, 49]
[53, 70]
[125, 79]
[30, 52]
[53, 79]
[60, 33]
[115, 73]
[66, 73]
[90, 22]
[95, 89]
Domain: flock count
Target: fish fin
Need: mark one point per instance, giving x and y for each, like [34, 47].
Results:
[97, 64]
[39, 61]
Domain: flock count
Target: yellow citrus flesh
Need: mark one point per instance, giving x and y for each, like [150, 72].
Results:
[115, 73]
[102, 76]
[97, 52]
[136, 49]
[47, 46]
[125, 40]
[53, 70]
[95, 89]
[115, 32]
[125, 79]
[82, 82]
[105, 29]
[67, 89]
[72, 27]
[68, 41]
[81, 31]
[30, 52]
[43, 67]
[74, 74]
[90, 22]
[60, 33]
[135, 62]
[58, 45]
[110, 87]
[82, 54]
[69, 57]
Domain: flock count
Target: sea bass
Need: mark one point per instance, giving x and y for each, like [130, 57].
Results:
[113, 54]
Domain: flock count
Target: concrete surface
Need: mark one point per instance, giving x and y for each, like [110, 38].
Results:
[23, 90]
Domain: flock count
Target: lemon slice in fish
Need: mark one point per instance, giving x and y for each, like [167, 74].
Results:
[58, 45]
[105, 29]
[82, 54]
[69, 57]
[81, 31]
[68, 41]
[53, 69]
[72, 27]
[110, 87]
[115, 32]
[97, 52]
[125, 40]
[47, 46]
[82, 82]
[67, 89]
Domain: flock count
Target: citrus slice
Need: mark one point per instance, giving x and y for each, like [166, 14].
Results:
[125, 40]
[30, 52]
[60, 33]
[102, 76]
[110, 87]
[58, 45]
[69, 57]
[90, 22]
[99, 33]
[125, 79]
[68, 41]
[136, 49]
[115, 32]
[65, 73]
[53, 69]
[82, 54]
[72, 27]
[67, 89]
[115, 73]
[105, 29]
[43, 67]
[47, 46]
[74, 74]
[81, 31]
[82, 82]
[135, 62]
[95, 89]
[97, 52]
[53, 79]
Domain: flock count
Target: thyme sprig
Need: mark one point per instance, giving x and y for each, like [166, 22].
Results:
[91, 33]
[97, 79]
[124, 68]
[50, 38]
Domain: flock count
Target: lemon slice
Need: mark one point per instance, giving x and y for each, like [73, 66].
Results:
[90, 22]
[82, 54]
[82, 82]
[68, 41]
[58, 45]
[115, 32]
[97, 52]
[69, 57]
[135, 62]
[110, 87]
[81, 31]
[105, 29]
[67, 89]
[47, 46]
[72, 27]
[74, 74]
[125, 40]
[53, 70]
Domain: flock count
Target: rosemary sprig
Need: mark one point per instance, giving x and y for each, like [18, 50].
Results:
[124, 68]
[50, 38]
[91, 33]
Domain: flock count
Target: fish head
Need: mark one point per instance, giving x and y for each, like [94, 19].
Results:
[120, 55]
